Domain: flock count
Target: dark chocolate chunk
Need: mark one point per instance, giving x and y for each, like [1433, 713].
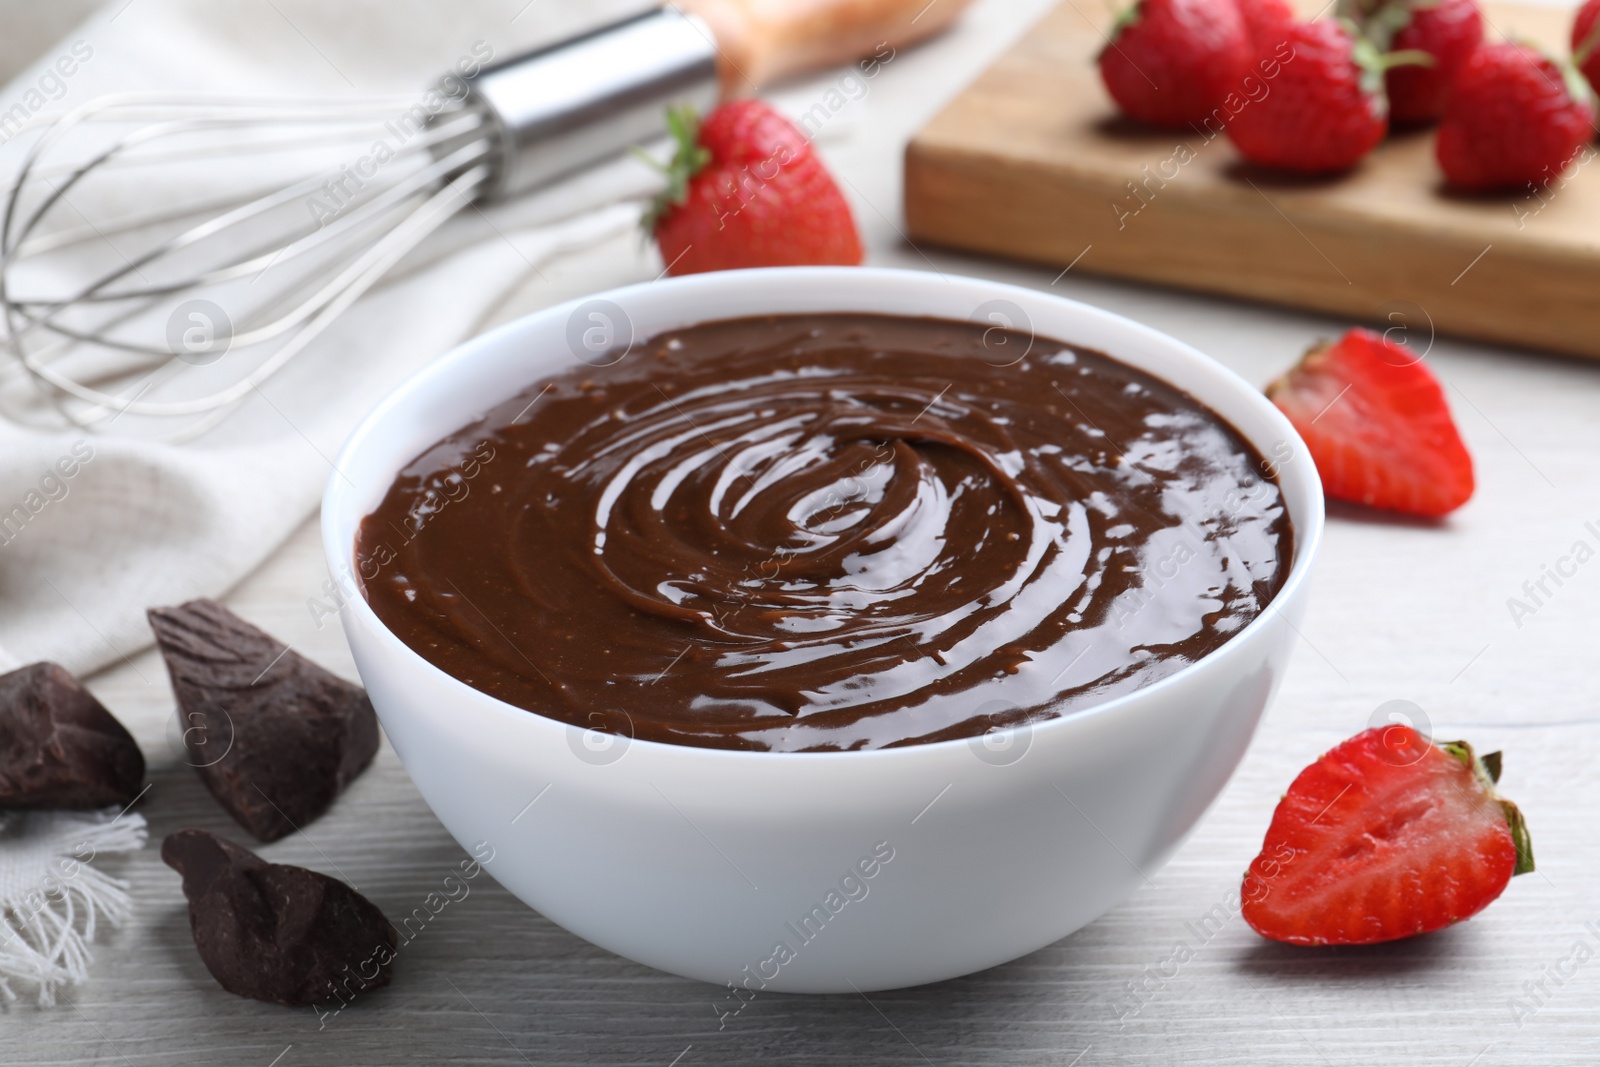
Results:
[277, 933]
[274, 737]
[60, 747]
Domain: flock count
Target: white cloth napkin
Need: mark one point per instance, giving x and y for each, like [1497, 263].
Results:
[102, 528]
[52, 897]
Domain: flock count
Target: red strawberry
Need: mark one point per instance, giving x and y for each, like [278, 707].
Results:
[1446, 31]
[1267, 22]
[1171, 62]
[1325, 109]
[1586, 42]
[1515, 118]
[1377, 426]
[746, 190]
[1387, 836]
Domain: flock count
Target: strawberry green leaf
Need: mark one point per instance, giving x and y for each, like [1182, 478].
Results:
[689, 157]
[1486, 768]
[1461, 750]
[1519, 835]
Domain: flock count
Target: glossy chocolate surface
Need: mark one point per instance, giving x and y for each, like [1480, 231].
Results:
[826, 532]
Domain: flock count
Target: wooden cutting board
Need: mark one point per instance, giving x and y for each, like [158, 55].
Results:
[1033, 162]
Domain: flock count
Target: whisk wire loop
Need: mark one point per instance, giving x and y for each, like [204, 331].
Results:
[323, 237]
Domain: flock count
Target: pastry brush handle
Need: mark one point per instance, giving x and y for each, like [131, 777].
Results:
[763, 41]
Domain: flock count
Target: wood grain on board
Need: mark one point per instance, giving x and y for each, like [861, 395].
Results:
[1032, 162]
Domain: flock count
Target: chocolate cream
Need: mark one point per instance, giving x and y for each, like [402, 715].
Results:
[822, 532]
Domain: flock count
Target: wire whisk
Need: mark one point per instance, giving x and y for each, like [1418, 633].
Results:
[98, 313]
[163, 255]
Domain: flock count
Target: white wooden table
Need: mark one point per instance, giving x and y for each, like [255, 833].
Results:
[1399, 611]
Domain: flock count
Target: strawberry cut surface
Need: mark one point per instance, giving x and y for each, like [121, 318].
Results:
[1377, 425]
[1388, 835]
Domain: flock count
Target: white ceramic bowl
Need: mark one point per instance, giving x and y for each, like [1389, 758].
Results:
[815, 872]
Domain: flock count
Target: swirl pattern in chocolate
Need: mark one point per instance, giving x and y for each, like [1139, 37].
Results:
[828, 532]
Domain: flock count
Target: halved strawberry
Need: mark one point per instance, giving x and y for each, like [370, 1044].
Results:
[1386, 836]
[1377, 425]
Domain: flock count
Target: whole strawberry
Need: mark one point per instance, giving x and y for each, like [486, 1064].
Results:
[1446, 31]
[1171, 62]
[1586, 42]
[1377, 426]
[1325, 110]
[746, 190]
[1387, 836]
[1515, 118]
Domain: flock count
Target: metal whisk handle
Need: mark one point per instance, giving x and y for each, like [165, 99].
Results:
[558, 109]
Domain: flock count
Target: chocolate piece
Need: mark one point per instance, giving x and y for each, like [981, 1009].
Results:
[277, 933]
[273, 736]
[59, 747]
[813, 532]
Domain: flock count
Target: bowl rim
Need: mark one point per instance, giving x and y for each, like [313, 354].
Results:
[1308, 529]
